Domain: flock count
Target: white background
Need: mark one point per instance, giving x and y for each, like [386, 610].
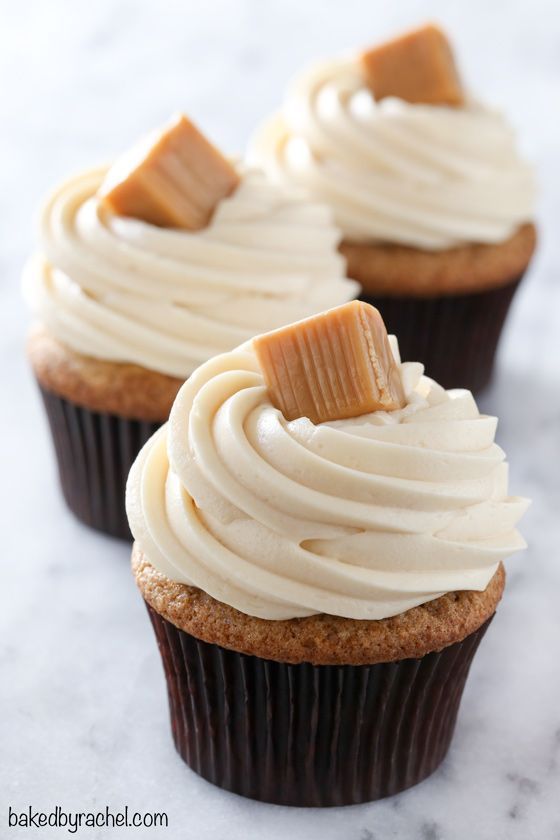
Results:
[83, 718]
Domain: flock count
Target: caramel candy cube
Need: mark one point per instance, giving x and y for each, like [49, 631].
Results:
[418, 67]
[174, 178]
[330, 366]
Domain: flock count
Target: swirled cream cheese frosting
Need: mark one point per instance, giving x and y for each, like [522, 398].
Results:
[120, 289]
[362, 518]
[426, 176]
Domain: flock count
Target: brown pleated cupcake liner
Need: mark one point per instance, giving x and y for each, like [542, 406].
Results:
[310, 735]
[95, 451]
[455, 336]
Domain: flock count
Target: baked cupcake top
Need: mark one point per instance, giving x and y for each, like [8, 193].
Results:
[120, 288]
[397, 161]
[363, 517]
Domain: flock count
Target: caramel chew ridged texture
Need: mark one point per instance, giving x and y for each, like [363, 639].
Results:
[334, 365]
[173, 179]
[417, 67]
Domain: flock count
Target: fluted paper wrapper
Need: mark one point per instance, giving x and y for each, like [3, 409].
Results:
[95, 452]
[455, 336]
[310, 735]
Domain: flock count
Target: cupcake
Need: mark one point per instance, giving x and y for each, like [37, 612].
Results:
[426, 183]
[319, 587]
[145, 271]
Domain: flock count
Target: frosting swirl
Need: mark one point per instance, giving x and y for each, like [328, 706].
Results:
[362, 518]
[121, 289]
[427, 176]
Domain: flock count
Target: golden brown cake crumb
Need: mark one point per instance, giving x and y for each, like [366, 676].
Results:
[386, 269]
[319, 639]
[417, 67]
[126, 390]
[334, 365]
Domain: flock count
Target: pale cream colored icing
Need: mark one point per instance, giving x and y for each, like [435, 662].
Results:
[363, 518]
[421, 175]
[120, 289]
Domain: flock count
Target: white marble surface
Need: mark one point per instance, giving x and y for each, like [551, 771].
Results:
[83, 718]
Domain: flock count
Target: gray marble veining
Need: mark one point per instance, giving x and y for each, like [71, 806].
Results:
[83, 718]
